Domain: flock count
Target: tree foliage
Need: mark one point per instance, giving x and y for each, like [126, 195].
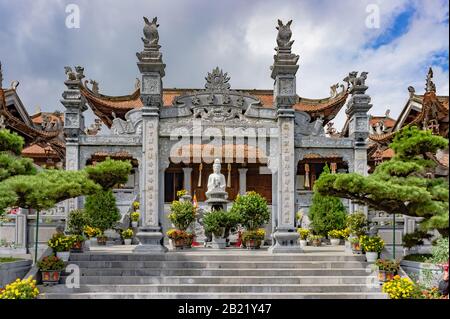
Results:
[402, 184]
[11, 142]
[109, 173]
[326, 212]
[252, 209]
[101, 209]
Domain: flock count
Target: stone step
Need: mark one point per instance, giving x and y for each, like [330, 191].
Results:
[159, 295]
[223, 272]
[181, 280]
[214, 288]
[213, 257]
[220, 264]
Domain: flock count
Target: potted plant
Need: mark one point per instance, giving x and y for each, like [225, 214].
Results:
[179, 238]
[50, 268]
[251, 210]
[356, 247]
[127, 235]
[387, 269]
[253, 238]
[304, 233]
[92, 233]
[182, 214]
[61, 245]
[78, 241]
[372, 246]
[335, 236]
[316, 240]
[135, 216]
[216, 223]
[101, 239]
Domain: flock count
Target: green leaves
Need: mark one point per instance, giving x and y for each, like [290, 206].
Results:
[216, 221]
[11, 142]
[252, 209]
[182, 214]
[101, 210]
[109, 172]
[400, 184]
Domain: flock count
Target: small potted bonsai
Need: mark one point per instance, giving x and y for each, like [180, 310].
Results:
[387, 269]
[135, 216]
[50, 268]
[372, 246]
[127, 235]
[335, 236]
[216, 223]
[61, 245]
[316, 240]
[304, 233]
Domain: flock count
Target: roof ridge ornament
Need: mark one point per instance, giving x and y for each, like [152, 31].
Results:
[217, 80]
[430, 86]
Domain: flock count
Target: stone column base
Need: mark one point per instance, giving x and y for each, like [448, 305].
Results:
[150, 240]
[285, 242]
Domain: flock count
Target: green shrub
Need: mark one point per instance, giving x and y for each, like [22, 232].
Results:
[11, 142]
[76, 221]
[252, 210]
[356, 223]
[182, 214]
[371, 244]
[101, 210]
[439, 252]
[216, 221]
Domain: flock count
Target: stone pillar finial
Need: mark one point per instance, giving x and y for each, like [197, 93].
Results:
[357, 107]
[74, 103]
[284, 68]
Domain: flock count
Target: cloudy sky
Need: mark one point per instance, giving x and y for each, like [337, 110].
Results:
[331, 37]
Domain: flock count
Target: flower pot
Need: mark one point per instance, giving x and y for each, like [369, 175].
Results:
[50, 277]
[371, 256]
[178, 243]
[335, 241]
[384, 276]
[303, 243]
[77, 247]
[219, 242]
[356, 248]
[64, 255]
[101, 241]
[253, 244]
[188, 242]
[134, 224]
[93, 242]
[316, 242]
[127, 241]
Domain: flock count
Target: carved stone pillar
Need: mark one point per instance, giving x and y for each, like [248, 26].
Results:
[242, 180]
[75, 105]
[152, 70]
[187, 172]
[357, 108]
[283, 72]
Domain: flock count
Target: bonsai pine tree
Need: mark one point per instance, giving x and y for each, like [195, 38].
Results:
[101, 209]
[402, 185]
[326, 212]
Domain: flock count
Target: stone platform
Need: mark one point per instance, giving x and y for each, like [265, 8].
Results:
[202, 273]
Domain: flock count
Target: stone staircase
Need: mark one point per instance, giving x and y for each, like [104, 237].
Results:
[206, 274]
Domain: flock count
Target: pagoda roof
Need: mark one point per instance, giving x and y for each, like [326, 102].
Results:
[107, 107]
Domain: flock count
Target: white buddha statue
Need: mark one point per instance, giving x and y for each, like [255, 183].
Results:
[216, 180]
